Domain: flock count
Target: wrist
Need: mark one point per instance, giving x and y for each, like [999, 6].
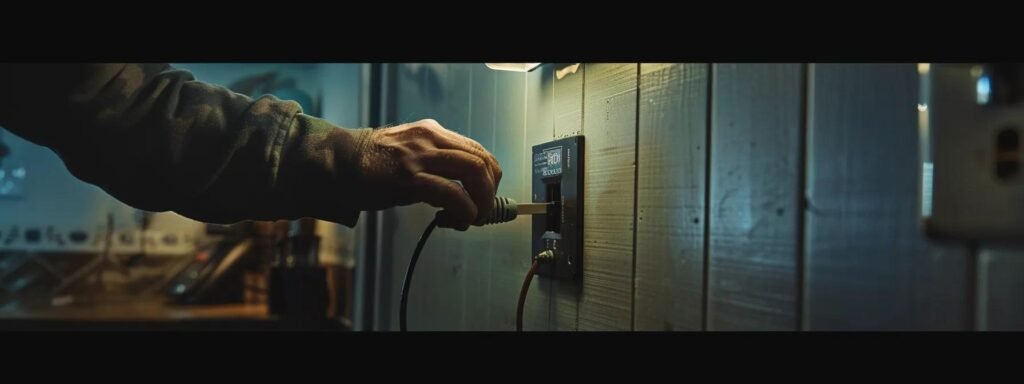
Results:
[319, 169]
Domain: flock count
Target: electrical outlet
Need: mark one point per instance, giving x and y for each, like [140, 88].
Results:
[558, 179]
[971, 119]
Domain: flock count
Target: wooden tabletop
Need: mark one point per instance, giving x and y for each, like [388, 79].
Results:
[141, 311]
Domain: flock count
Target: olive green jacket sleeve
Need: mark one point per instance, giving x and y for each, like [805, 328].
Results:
[156, 139]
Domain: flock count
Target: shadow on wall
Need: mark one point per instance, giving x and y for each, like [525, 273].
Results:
[430, 81]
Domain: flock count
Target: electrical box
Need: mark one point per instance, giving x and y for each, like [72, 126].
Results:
[971, 121]
[558, 179]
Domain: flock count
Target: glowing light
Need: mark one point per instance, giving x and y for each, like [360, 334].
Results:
[984, 88]
[514, 67]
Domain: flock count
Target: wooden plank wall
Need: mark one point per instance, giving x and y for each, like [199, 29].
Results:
[718, 197]
[754, 213]
[609, 124]
[672, 158]
[567, 110]
[868, 265]
[1001, 289]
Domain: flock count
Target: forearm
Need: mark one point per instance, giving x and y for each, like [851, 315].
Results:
[158, 140]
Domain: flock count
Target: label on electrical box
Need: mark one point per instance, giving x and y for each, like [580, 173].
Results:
[548, 162]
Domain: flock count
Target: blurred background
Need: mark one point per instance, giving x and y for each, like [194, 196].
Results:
[70, 251]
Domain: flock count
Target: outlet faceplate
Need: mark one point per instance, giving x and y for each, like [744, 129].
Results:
[558, 178]
[971, 117]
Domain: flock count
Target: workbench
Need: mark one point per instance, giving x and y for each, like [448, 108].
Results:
[156, 317]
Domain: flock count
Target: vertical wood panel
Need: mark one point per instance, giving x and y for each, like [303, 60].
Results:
[567, 110]
[754, 197]
[439, 279]
[609, 117]
[868, 263]
[470, 280]
[510, 258]
[568, 104]
[670, 197]
[451, 261]
[1001, 289]
[476, 242]
[437, 282]
[402, 226]
[539, 128]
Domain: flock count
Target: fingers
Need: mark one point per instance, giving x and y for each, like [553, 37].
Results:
[471, 146]
[471, 170]
[448, 139]
[439, 154]
[459, 209]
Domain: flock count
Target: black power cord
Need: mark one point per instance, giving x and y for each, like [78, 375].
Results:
[505, 210]
[522, 295]
[408, 272]
[543, 257]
